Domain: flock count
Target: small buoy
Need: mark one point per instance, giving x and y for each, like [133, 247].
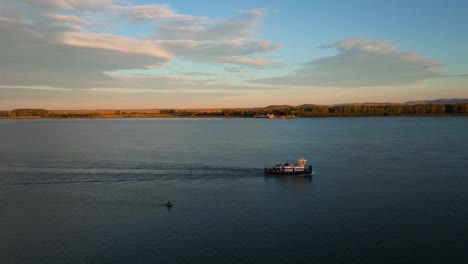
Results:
[169, 204]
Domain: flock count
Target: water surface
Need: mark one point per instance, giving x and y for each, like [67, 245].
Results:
[385, 190]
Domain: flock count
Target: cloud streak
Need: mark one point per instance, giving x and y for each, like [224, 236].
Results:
[157, 13]
[116, 43]
[207, 29]
[235, 51]
[67, 19]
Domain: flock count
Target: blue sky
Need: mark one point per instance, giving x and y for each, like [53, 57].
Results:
[92, 54]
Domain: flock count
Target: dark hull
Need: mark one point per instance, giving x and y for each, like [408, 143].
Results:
[269, 171]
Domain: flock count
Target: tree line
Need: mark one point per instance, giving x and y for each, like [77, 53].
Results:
[73, 115]
[44, 113]
[287, 111]
[28, 112]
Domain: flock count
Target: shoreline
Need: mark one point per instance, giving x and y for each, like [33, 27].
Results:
[223, 117]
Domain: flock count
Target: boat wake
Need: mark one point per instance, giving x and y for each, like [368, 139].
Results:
[26, 175]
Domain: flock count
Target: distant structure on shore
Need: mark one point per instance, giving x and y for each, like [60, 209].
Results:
[271, 116]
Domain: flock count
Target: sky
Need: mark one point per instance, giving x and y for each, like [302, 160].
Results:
[129, 54]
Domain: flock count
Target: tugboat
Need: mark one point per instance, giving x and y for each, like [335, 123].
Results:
[290, 169]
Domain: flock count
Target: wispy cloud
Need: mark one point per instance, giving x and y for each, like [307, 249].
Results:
[362, 62]
[248, 61]
[157, 13]
[199, 73]
[210, 29]
[67, 19]
[36, 52]
[70, 5]
[235, 51]
[48, 42]
[116, 43]
[235, 69]
[32, 87]
[222, 41]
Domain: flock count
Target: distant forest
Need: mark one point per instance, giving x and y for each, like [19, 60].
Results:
[337, 111]
[286, 111]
